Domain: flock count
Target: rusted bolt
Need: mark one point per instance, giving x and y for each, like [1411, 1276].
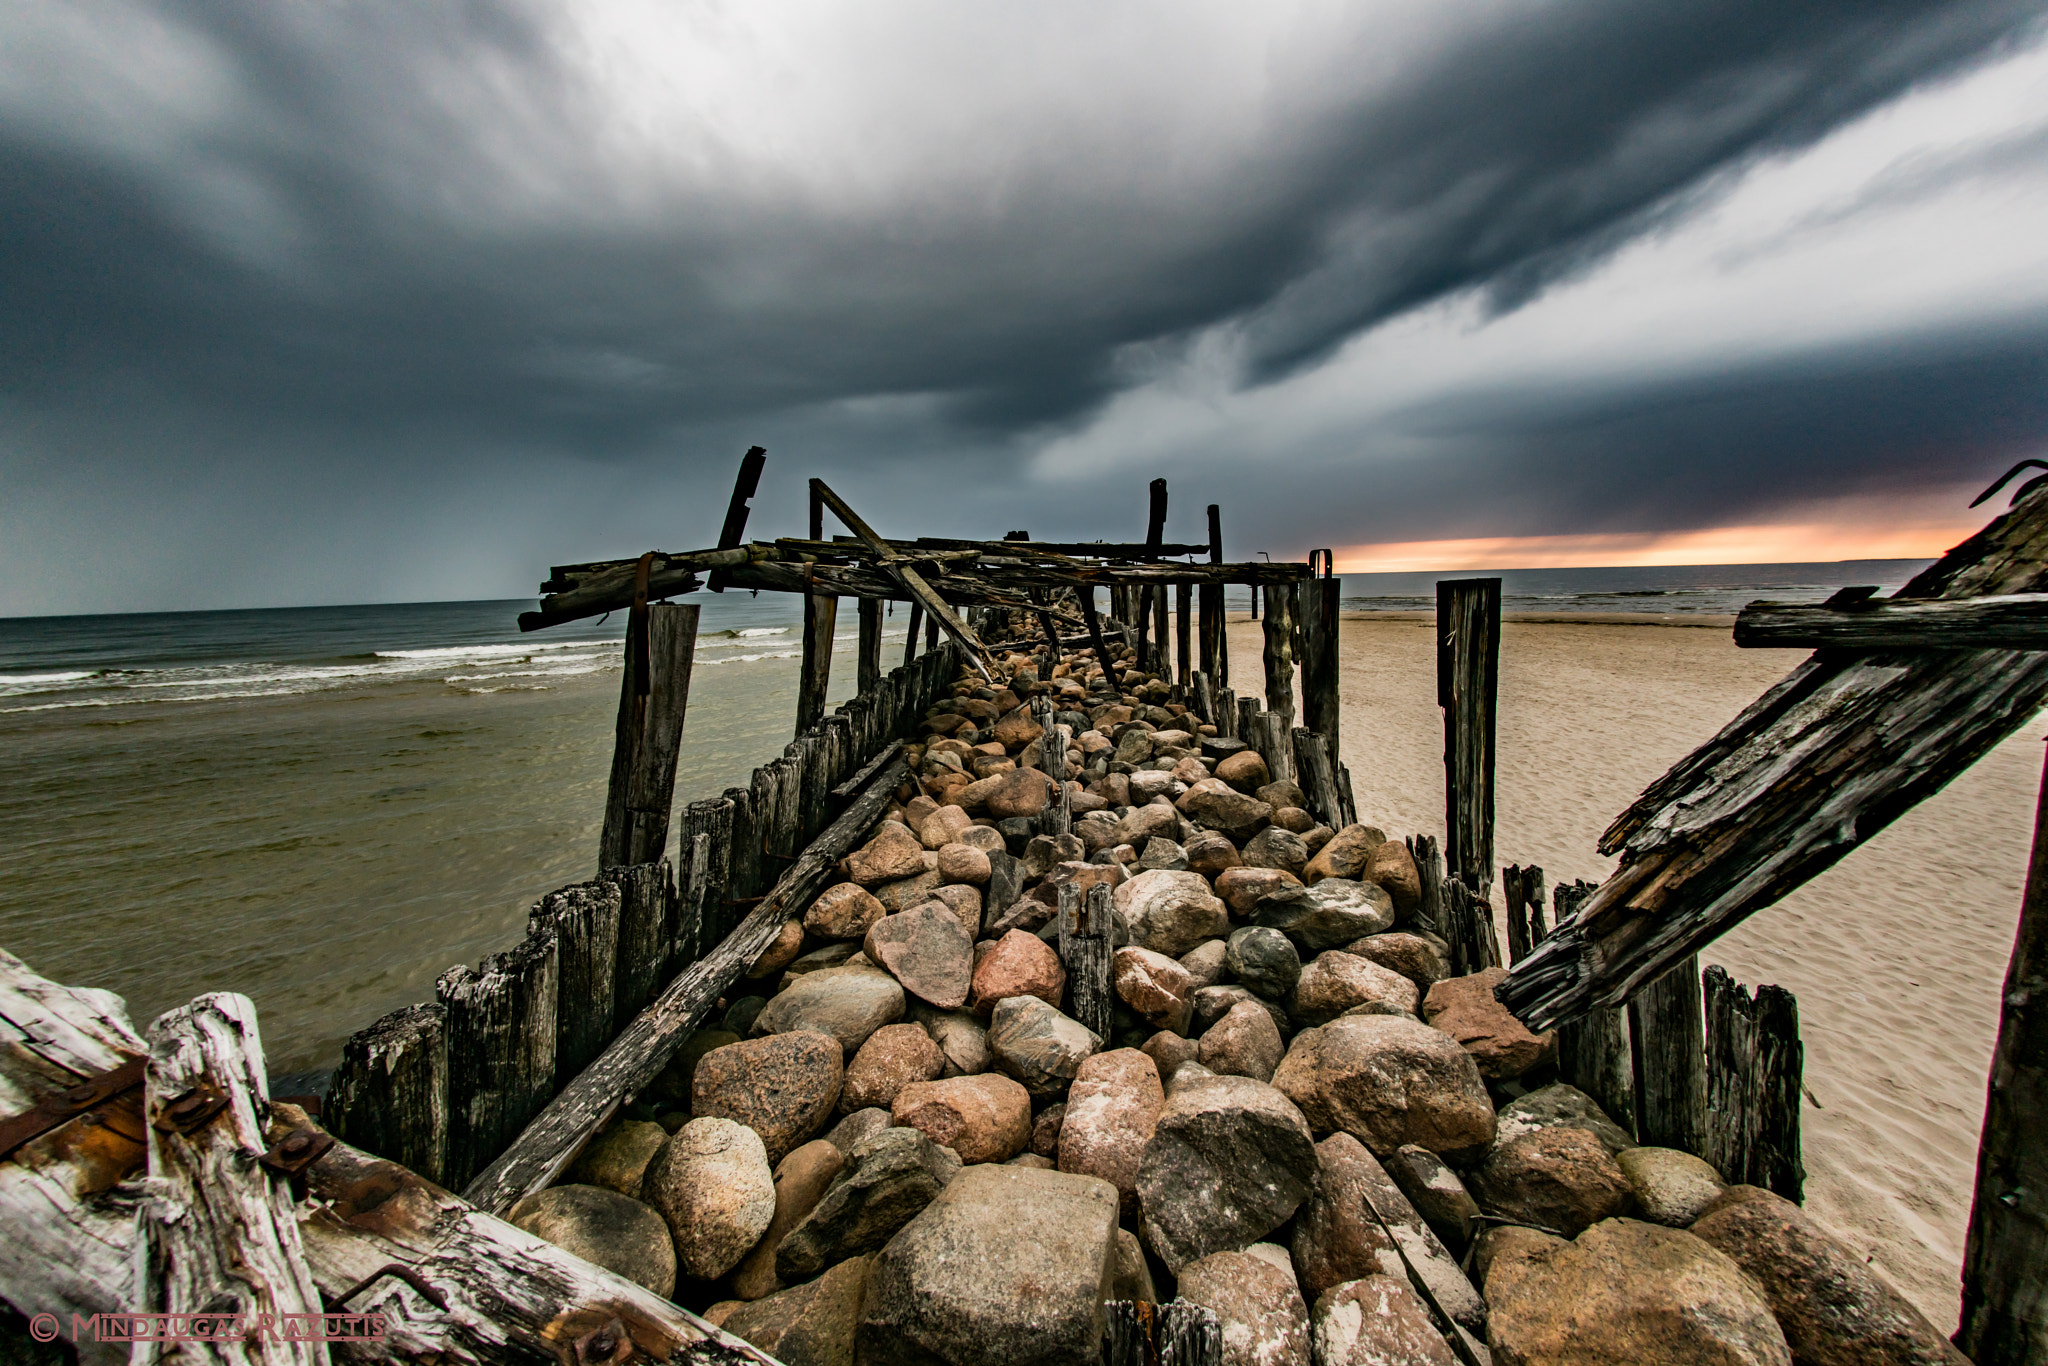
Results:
[298, 1143]
[601, 1344]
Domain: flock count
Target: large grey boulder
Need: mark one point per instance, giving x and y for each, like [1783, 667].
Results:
[1038, 1045]
[1264, 961]
[1561, 1105]
[1375, 1321]
[1171, 913]
[1328, 915]
[605, 1227]
[1111, 1113]
[1229, 1161]
[889, 1177]
[1007, 1267]
[847, 1003]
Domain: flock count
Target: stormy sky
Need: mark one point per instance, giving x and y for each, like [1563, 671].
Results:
[337, 302]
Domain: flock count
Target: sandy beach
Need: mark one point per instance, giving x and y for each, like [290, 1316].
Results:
[1896, 954]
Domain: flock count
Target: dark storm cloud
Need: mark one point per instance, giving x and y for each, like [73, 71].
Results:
[337, 264]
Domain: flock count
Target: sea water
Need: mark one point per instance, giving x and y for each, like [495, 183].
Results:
[324, 808]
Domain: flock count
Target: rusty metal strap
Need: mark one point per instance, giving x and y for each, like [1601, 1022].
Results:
[68, 1105]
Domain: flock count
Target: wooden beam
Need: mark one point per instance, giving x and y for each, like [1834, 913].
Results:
[743, 488]
[2005, 1257]
[654, 695]
[1183, 634]
[1467, 686]
[1215, 648]
[2010, 621]
[1319, 665]
[216, 1233]
[1155, 522]
[639, 1053]
[1821, 762]
[934, 605]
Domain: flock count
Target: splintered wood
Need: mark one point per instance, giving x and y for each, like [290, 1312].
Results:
[1821, 762]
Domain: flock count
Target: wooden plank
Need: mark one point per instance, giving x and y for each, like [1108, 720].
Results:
[1467, 686]
[2005, 1258]
[1282, 617]
[390, 1093]
[501, 1048]
[652, 705]
[2007, 621]
[214, 1233]
[647, 944]
[639, 1053]
[583, 920]
[1821, 762]
[744, 486]
[934, 605]
[1667, 1039]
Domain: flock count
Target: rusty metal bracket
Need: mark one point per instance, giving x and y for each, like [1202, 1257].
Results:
[192, 1111]
[335, 1303]
[68, 1105]
[297, 1150]
[606, 1345]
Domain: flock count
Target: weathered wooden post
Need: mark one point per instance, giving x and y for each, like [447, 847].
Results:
[1467, 685]
[2005, 1259]
[648, 938]
[1283, 607]
[868, 669]
[1183, 635]
[583, 920]
[1319, 665]
[1089, 948]
[501, 1049]
[390, 1093]
[1095, 640]
[821, 619]
[1523, 888]
[1215, 641]
[1429, 868]
[1667, 1037]
[1755, 1064]
[1593, 1051]
[910, 638]
[661, 642]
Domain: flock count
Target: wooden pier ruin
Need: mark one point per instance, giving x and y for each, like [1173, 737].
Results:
[151, 1171]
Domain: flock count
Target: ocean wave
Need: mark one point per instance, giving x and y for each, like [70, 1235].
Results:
[72, 676]
[491, 651]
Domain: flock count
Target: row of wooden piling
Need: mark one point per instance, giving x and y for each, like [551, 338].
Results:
[445, 1086]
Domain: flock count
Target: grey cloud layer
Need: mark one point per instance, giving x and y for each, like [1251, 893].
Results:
[342, 254]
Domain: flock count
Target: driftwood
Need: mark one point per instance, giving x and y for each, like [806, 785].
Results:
[1467, 685]
[2010, 621]
[70, 1224]
[215, 1233]
[638, 1054]
[1818, 764]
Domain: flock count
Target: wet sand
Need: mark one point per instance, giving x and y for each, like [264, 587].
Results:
[1896, 954]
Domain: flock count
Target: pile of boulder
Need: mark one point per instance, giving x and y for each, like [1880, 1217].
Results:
[899, 1145]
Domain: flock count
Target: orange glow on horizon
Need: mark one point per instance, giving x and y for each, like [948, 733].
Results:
[1797, 543]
